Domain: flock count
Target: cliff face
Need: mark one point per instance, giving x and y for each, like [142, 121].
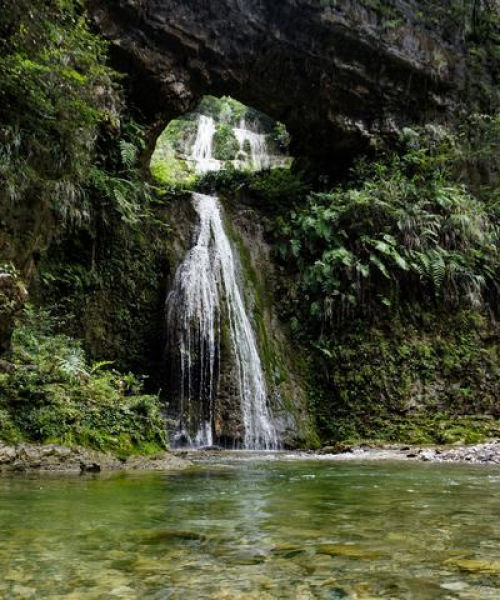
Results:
[341, 77]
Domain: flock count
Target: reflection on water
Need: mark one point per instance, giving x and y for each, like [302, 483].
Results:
[255, 530]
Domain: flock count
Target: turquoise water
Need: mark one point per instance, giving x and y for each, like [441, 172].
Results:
[254, 529]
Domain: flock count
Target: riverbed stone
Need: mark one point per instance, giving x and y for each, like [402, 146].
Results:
[454, 586]
[487, 453]
[474, 565]
[348, 551]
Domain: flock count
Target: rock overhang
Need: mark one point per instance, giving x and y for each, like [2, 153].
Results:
[339, 79]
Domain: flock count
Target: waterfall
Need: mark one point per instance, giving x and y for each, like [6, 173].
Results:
[252, 147]
[201, 153]
[206, 301]
[259, 156]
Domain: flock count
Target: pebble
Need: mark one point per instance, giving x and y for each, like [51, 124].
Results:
[454, 586]
[488, 453]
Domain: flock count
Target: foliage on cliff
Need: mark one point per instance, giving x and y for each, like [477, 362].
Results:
[76, 221]
[420, 376]
[76, 216]
[66, 152]
[403, 230]
[12, 298]
[390, 282]
[55, 92]
[109, 289]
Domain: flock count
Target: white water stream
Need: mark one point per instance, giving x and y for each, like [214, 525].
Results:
[253, 148]
[259, 155]
[205, 290]
[201, 153]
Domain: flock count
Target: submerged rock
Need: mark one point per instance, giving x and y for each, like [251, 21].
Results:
[173, 535]
[348, 551]
[472, 565]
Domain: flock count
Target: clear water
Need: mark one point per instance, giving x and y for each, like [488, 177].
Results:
[255, 529]
[206, 295]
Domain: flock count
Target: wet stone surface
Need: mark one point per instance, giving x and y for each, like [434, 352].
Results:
[478, 454]
[52, 457]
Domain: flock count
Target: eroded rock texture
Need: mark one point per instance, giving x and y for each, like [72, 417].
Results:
[341, 76]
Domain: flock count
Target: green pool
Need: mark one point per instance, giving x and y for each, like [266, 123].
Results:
[250, 527]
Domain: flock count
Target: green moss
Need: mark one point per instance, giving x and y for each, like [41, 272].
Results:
[258, 294]
[419, 379]
[281, 367]
[110, 290]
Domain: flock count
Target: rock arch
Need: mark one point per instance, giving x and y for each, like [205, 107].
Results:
[335, 72]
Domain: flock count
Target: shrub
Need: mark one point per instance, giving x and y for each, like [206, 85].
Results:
[226, 145]
[55, 92]
[52, 394]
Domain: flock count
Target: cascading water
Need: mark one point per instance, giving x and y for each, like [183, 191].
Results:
[205, 303]
[253, 149]
[257, 143]
[201, 153]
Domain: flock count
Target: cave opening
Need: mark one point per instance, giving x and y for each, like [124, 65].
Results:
[219, 134]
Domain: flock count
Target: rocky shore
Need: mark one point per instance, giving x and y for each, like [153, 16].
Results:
[488, 453]
[484, 454]
[29, 458]
[25, 458]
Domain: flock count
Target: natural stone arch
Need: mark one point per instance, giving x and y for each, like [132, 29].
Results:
[335, 75]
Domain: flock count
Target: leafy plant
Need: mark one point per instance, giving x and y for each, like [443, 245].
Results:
[405, 231]
[226, 145]
[55, 92]
[421, 376]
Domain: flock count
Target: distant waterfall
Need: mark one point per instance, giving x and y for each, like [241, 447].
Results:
[202, 149]
[259, 155]
[205, 303]
[253, 148]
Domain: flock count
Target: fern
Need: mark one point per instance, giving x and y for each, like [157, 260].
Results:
[437, 266]
[128, 153]
[403, 227]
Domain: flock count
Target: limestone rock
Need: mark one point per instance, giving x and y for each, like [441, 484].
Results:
[52, 457]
